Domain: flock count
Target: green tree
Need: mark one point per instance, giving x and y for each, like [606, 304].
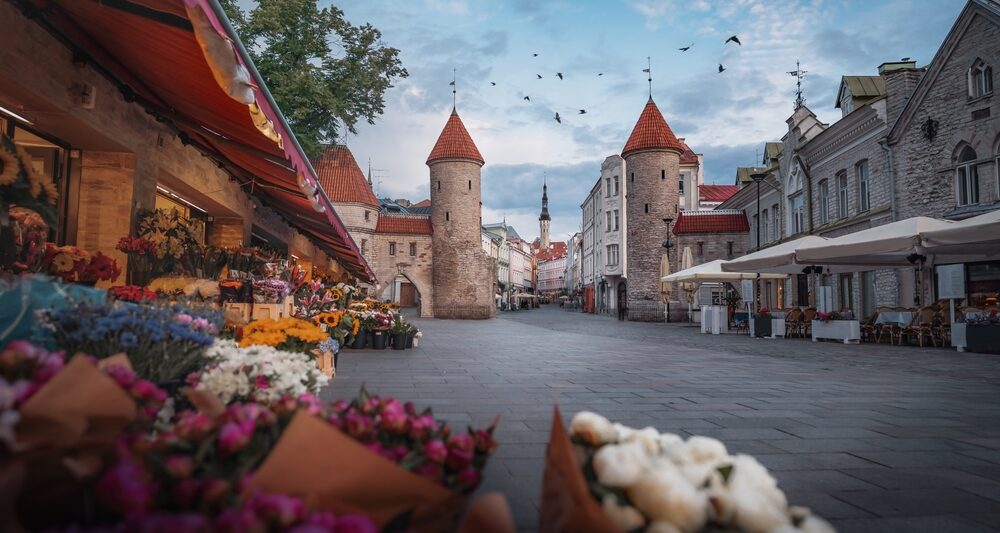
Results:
[325, 73]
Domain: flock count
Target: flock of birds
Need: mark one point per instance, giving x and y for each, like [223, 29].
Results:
[558, 118]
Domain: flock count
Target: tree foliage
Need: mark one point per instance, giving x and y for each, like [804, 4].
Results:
[325, 73]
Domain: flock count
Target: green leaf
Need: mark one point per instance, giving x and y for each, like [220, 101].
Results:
[726, 471]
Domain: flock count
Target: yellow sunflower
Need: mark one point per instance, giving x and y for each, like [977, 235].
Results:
[9, 165]
[336, 294]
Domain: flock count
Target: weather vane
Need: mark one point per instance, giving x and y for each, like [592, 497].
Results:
[649, 71]
[454, 96]
[799, 74]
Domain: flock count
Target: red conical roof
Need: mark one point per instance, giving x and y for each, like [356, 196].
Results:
[341, 177]
[651, 132]
[455, 143]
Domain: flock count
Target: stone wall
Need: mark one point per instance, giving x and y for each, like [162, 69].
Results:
[463, 276]
[418, 269]
[652, 195]
[925, 168]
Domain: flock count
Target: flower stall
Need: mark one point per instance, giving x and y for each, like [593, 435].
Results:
[838, 326]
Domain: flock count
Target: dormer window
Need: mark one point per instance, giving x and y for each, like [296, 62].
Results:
[980, 79]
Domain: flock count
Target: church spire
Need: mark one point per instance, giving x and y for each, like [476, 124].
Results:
[545, 202]
[543, 219]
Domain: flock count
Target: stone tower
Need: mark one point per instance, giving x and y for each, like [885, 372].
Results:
[464, 276]
[652, 159]
[543, 219]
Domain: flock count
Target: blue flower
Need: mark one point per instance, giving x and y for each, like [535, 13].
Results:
[128, 339]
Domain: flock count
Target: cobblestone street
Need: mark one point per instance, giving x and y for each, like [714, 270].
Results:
[873, 438]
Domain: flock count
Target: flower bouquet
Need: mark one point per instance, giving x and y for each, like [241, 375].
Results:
[30, 233]
[314, 298]
[204, 262]
[256, 373]
[764, 312]
[143, 263]
[163, 343]
[288, 334]
[22, 185]
[610, 477]
[132, 293]
[826, 317]
[270, 291]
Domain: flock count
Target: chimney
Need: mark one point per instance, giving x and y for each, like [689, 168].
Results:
[901, 78]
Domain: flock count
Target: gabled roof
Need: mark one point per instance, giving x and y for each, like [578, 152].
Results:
[864, 89]
[455, 143]
[651, 132]
[743, 174]
[423, 203]
[403, 225]
[986, 8]
[717, 193]
[341, 177]
[717, 221]
[772, 150]
[556, 250]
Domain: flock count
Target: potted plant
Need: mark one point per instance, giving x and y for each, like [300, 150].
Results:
[762, 323]
[378, 330]
[400, 332]
[410, 334]
[982, 333]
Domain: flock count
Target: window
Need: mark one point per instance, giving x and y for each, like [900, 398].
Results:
[612, 255]
[680, 185]
[776, 227]
[608, 225]
[764, 231]
[470, 185]
[864, 186]
[701, 248]
[616, 220]
[796, 209]
[607, 187]
[847, 291]
[980, 79]
[647, 208]
[663, 174]
[392, 248]
[413, 249]
[368, 215]
[842, 194]
[729, 248]
[967, 177]
[364, 246]
[447, 215]
[824, 201]
[631, 177]
[616, 185]
[439, 185]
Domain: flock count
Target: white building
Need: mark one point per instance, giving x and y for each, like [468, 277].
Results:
[551, 275]
[612, 239]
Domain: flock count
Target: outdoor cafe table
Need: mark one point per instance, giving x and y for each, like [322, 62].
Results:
[900, 318]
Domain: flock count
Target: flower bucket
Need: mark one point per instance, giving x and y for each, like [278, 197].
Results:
[360, 340]
[379, 339]
[399, 341]
[409, 341]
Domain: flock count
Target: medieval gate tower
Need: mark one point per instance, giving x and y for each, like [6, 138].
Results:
[652, 159]
[463, 276]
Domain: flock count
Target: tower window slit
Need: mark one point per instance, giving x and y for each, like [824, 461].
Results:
[439, 185]
[647, 208]
[663, 174]
[470, 185]
[447, 215]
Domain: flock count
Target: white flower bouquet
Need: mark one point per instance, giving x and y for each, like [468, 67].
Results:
[648, 481]
[257, 373]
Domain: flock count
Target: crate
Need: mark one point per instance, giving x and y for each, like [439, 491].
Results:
[324, 361]
[244, 309]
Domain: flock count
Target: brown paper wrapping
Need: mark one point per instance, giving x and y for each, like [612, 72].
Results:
[330, 471]
[206, 402]
[489, 513]
[66, 431]
[567, 505]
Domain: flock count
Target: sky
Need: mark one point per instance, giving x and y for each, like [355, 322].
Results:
[726, 117]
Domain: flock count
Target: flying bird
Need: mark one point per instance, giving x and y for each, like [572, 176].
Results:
[734, 39]
[451, 83]
[559, 74]
[534, 55]
[721, 68]
[558, 118]
[686, 48]
[582, 112]
[600, 73]
[493, 83]
[527, 98]
[539, 76]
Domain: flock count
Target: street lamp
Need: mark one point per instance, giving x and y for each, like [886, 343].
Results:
[668, 244]
[757, 177]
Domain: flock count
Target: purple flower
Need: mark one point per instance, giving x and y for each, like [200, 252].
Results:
[436, 451]
[126, 489]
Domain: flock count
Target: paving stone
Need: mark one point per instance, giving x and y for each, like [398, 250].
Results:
[882, 438]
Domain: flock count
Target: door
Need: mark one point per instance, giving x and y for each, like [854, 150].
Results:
[407, 295]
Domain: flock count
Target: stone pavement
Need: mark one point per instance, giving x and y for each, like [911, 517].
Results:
[873, 438]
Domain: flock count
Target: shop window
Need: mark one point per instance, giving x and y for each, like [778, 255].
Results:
[413, 249]
[392, 248]
[983, 284]
[847, 291]
[967, 178]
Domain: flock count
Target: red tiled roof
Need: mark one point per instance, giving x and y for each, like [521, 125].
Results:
[455, 143]
[403, 225]
[720, 221]
[717, 193]
[422, 203]
[341, 177]
[688, 157]
[556, 250]
[651, 131]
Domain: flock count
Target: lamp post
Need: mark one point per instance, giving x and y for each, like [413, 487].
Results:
[757, 177]
[668, 244]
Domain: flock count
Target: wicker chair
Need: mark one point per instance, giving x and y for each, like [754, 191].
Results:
[806, 325]
[870, 329]
[792, 321]
[895, 331]
[922, 326]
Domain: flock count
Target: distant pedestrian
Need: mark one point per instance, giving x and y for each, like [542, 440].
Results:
[622, 312]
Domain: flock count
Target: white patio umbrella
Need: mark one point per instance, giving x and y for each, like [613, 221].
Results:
[886, 245]
[712, 271]
[779, 258]
[973, 236]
